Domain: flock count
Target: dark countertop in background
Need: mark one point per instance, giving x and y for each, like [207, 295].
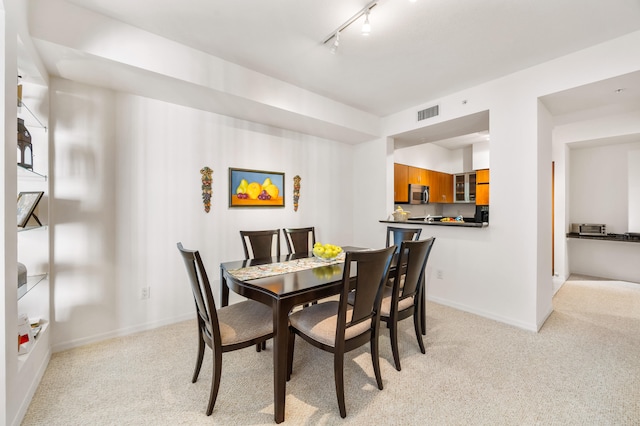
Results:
[438, 223]
[627, 238]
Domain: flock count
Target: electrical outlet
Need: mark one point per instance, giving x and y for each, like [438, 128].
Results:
[145, 293]
[439, 274]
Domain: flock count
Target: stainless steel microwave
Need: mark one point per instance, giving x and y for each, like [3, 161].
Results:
[418, 194]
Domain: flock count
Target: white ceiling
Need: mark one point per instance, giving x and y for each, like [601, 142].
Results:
[416, 51]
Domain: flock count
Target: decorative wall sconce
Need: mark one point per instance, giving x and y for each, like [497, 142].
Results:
[25, 149]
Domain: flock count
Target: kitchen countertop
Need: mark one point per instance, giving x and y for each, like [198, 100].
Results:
[627, 238]
[438, 223]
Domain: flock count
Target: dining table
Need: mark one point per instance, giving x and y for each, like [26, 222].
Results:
[284, 282]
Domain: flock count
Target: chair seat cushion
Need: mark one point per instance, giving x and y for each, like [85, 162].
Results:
[385, 306]
[244, 321]
[392, 280]
[320, 322]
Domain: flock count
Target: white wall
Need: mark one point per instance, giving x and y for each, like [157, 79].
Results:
[599, 188]
[481, 155]
[599, 185]
[589, 129]
[504, 271]
[430, 156]
[127, 182]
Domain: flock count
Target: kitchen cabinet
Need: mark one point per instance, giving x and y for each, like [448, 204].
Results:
[400, 183]
[464, 187]
[440, 184]
[482, 187]
[418, 175]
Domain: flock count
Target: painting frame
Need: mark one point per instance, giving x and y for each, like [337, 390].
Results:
[246, 188]
[27, 203]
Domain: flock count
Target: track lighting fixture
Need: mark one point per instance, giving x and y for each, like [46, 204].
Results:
[336, 43]
[366, 28]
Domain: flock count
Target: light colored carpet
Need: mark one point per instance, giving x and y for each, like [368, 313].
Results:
[582, 368]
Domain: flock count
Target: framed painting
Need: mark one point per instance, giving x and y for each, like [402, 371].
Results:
[255, 188]
[27, 202]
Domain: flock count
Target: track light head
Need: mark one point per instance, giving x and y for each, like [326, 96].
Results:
[336, 43]
[366, 26]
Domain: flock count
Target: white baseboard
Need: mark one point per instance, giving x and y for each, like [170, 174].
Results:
[485, 314]
[120, 332]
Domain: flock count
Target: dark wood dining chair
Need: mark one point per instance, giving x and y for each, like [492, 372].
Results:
[397, 235]
[405, 298]
[260, 244]
[337, 327]
[299, 240]
[227, 329]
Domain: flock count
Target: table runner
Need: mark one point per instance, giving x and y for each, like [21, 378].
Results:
[270, 269]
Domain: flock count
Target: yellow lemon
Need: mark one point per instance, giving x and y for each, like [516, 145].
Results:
[266, 182]
[272, 190]
[253, 190]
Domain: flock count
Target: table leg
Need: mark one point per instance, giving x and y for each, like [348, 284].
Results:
[281, 324]
[224, 290]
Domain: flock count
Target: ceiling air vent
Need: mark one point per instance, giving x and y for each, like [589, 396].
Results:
[428, 113]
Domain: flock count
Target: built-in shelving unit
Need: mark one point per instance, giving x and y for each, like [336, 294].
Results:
[32, 281]
[24, 173]
[34, 297]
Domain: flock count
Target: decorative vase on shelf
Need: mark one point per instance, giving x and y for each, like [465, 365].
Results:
[25, 149]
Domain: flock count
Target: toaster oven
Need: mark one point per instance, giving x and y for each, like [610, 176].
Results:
[589, 229]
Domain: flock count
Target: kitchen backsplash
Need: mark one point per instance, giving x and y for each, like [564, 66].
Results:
[450, 210]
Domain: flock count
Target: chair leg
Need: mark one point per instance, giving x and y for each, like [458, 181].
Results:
[338, 373]
[199, 357]
[258, 347]
[375, 358]
[215, 380]
[393, 335]
[417, 322]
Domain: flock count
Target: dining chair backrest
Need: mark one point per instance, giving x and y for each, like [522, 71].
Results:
[203, 296]
[299, 240]
[405, 298]
[261, 244]
[411, 265]
[372, 268]
[397, 235]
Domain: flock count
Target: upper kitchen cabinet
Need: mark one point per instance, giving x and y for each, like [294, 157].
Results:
[464, 187]
[417, 175]
[440, 186]
[482, 187]
[400, 183]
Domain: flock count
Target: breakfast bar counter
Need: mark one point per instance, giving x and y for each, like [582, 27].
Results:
[457, 224]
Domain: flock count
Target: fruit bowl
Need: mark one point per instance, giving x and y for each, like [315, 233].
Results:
[325, 259]
[326, 252]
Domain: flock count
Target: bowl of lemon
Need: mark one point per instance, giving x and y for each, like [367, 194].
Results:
[326, 252]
